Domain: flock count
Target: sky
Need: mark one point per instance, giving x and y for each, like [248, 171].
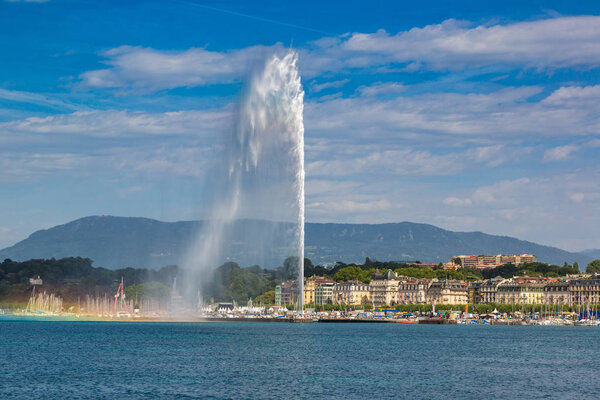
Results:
[471, 116]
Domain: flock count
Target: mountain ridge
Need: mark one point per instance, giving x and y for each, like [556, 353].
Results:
[116, 242]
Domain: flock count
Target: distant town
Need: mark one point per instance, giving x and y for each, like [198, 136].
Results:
[488, 289]
[389, 288]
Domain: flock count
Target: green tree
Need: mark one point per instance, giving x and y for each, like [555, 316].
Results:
[352, 274]
[267, 298]
[309, 268]
[593, 267]
[289, 269]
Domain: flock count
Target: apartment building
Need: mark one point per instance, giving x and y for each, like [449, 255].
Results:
[447, 292]
[412, 291]
[383, 289]
[351, 293]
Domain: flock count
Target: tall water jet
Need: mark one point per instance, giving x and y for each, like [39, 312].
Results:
[262, 175]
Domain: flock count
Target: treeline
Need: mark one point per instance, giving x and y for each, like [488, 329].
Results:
[363, 272]
[74, 277]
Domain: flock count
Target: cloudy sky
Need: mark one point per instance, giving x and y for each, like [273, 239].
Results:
[459, 114]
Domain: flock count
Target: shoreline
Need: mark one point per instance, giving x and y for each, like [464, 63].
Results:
[424, 321]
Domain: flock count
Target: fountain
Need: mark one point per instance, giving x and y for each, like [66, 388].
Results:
[262, 176]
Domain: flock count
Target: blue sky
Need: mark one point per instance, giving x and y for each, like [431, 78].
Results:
[465, 115]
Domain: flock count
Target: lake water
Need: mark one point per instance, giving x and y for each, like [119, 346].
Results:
[227, 360]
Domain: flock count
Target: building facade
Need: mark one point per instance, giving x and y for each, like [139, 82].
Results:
[278, 295]
[324, 293]
[557, 293]
[412, 291]
[383, 288]
[351, 293]
[585, 291]
[520, 292]
[309, 290]
[489, 289]
[447, 292]
[487, 261]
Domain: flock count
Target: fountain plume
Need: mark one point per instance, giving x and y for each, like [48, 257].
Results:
[262, 176]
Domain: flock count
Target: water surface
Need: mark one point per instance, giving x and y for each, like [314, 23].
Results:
[53, 359]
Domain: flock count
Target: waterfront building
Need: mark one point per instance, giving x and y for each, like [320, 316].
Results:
[383, 288]
[585, 291]
[289, 292]
[447, 292]
[278, 295]
[324, 293]
[412, 291]
[475, 293]
[351, 293]
[489, 289]
[309, 290]
[521, 290]
[557, 293]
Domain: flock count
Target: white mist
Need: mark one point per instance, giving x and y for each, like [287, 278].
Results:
[262, 175]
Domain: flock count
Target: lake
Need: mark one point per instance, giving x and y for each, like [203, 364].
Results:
[231, 360]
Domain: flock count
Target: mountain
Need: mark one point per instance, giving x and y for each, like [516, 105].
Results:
[117, 242]
[592, 253]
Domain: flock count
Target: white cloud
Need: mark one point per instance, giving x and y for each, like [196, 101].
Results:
[34, 98]
[559, 153]
[26, 165]
[542, 208]
[553, 43]
[113, 123]
[145, 69]
[577, 197]
[503, 193]
[380, 88]
[498, 117]
[574, 94]
[315, 88]
[535, 208]
[356, 159]
[455, 201]
[454, 45]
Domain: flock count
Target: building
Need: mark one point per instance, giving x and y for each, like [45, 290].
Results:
[557, 293]
[37, 281]
[383, 289]
[515, 259]
[309, 290]
[447, 292]
[585, 291]
[464, 261]
[278, 295]
[487, 261]
[324, 293]
[521, 290]
[289, 293]
[489, 290]
[351, 293]
[475, 293]
[412, 291]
